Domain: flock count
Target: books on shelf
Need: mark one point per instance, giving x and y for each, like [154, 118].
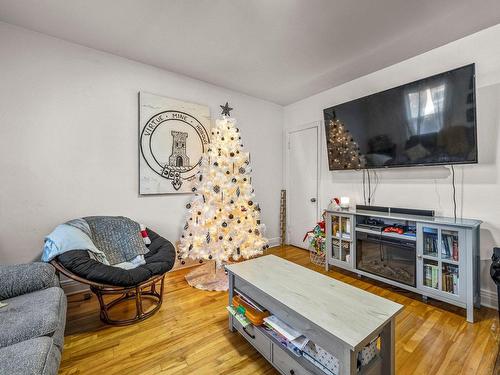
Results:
[450, 246]
[450, 283]
[430, 245]
[455, 250]
[450, 279]
[431, 273]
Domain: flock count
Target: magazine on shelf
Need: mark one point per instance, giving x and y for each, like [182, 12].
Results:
[283, 341]
[239, 317]
[282, 328]
[249, 301]
[300, 342]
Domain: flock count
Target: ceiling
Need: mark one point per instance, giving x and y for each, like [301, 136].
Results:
[278, 50]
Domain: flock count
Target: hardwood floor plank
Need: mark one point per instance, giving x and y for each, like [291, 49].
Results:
[189, 334]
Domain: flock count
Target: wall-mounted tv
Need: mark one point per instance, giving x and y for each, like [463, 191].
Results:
[428, 122]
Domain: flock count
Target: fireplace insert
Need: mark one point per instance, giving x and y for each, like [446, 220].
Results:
[388, 257]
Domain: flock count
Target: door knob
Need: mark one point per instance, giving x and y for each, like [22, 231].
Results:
[313, 200]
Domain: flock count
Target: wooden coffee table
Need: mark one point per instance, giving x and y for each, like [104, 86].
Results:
[338, 317]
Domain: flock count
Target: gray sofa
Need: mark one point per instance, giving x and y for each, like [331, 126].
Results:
[32, 324]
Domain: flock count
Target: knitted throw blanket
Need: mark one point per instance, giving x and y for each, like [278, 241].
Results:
[118, 237]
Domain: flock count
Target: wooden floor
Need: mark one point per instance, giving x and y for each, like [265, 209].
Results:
[189, 334]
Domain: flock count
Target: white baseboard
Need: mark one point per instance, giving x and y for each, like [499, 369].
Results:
[72, 287]
[489, 298]
[273, 242]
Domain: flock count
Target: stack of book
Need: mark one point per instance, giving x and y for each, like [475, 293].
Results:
[431, 272]
[450, 282]
[430, 244]
[450, 246]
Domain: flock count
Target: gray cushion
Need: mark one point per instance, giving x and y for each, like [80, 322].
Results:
[19, 279]
[35, 356]
[159, 259]
[41, 313]
[118, 237]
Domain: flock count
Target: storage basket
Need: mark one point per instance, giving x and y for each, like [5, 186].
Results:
[317, 258]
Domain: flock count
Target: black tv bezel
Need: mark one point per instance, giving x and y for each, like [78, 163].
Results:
[410, 165]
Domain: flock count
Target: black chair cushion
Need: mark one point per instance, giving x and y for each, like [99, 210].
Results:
[159, 259]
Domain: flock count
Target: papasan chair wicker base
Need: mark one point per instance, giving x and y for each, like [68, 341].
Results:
[145, 282]
[149, 289]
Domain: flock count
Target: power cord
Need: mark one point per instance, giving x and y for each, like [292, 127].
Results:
[454, 192]
[369, 188]
[375, 185]
[364, 188]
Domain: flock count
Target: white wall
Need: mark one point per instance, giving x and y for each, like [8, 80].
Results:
[69, 140]
[478, 190]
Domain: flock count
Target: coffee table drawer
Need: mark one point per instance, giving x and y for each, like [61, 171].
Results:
[286, 364]
[256, 338]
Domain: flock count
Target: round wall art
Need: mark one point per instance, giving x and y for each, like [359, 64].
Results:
[173, 136]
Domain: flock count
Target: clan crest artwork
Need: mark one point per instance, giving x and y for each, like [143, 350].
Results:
[172, 138]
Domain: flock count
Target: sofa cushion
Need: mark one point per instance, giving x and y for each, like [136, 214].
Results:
[19, 279]
[159, 259]
[35, 356]
[41, 313]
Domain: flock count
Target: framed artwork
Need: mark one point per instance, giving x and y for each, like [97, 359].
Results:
[172, 137]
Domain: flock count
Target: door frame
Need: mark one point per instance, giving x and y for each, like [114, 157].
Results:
[319, 132]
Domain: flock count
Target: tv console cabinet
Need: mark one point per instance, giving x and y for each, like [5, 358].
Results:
[440, 260]
[340, 318]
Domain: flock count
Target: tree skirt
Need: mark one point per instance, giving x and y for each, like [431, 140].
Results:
[208, 277]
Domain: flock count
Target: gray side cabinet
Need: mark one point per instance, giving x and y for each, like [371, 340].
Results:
[340, 241]
[455, 258]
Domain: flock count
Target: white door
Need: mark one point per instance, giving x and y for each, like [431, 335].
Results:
[302, 199]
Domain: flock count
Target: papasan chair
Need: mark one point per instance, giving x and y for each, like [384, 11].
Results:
[143, 282]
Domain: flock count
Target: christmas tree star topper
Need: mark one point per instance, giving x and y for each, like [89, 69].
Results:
[226, 109]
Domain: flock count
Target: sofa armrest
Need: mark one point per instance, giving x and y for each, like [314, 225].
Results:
[20, 279]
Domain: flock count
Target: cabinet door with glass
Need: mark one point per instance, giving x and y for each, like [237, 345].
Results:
[441, 260]
[340, 239]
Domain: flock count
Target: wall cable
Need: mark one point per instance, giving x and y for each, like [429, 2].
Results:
[369, 188]
[364, 188]
[454, 192]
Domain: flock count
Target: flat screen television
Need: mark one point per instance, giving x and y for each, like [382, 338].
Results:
[427, 122]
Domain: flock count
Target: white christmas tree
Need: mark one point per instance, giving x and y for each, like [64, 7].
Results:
[223, 220]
